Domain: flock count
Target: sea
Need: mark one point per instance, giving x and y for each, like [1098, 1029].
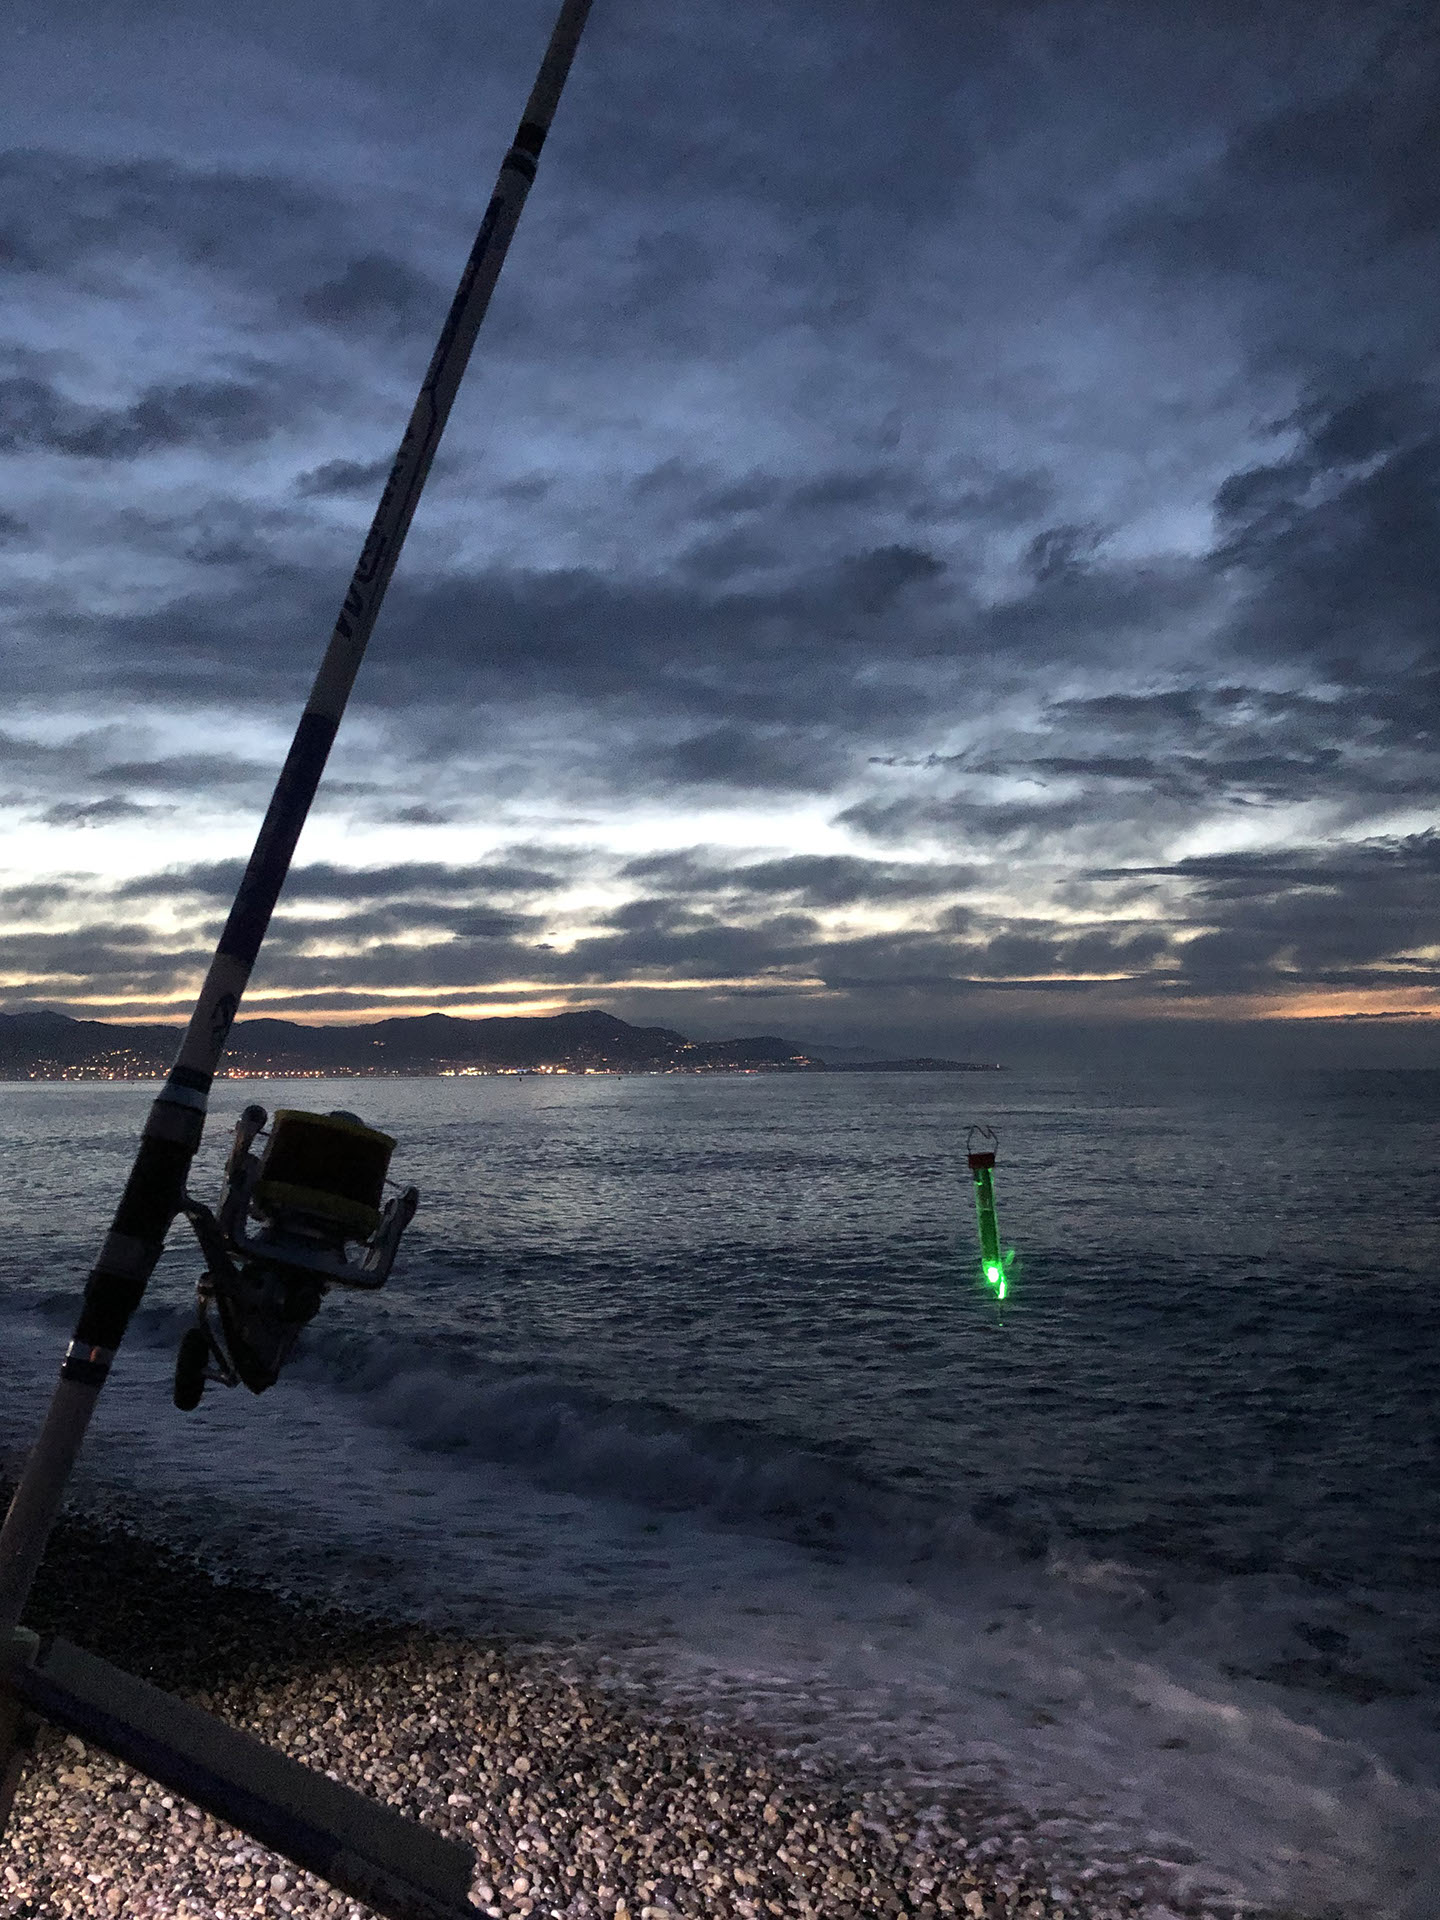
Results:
[698, 1377]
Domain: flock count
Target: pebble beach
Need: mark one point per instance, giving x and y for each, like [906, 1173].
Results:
[579, 1799]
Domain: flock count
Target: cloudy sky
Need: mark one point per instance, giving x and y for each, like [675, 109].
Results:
[938, 543]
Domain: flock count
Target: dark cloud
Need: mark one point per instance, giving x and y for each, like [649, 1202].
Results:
[375, 294]
[300, 932]
[1319, 190]
[1092, 613]
[344, 477]
[818, 880]
[405, 881]
[60, 212]
[794, 656]
[39, 898]
[873, 582]
[1185, 712]
[1335, 547]
[92, 813]
[228, 644]
[187, 773]
[36, 417]
[1062, 552]
[1103, 766]
[1413, 857]
[20, 755]
[1249, 745]
[81, 781]
[965, 822]
[454, 964]
[870, 643]
[1019, 957]
[1353, 915]
[1235, 776]
[660, 940]
[422, 816]
[115, 955]
[743, 758]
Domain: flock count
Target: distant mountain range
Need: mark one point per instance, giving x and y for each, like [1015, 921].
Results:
[49, 1046]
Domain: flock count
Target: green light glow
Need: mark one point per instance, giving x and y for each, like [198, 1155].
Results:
[994, 1263]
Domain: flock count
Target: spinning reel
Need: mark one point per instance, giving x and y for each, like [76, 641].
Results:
[316, 1189]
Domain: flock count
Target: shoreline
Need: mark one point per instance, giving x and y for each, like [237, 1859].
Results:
[579, 1799]
[81, 1075]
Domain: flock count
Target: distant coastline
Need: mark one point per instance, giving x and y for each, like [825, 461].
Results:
[52, 1046]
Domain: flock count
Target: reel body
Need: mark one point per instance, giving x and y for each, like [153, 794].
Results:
[281, 1238]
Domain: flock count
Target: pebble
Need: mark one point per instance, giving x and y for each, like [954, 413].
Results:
[580, 1800]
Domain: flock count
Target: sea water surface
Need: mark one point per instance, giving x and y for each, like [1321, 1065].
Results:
[698, 1374]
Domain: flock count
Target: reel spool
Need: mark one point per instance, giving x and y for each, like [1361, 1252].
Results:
[317, 1188]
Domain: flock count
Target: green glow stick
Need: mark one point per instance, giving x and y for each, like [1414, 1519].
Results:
[994, 1265]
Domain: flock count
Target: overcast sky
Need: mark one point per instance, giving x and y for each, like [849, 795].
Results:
[938, 540]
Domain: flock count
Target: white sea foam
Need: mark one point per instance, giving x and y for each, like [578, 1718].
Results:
[1113, 1708]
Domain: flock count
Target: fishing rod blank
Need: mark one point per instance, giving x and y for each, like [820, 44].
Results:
[155, 1190]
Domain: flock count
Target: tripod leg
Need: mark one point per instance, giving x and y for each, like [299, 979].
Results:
[17, 1738]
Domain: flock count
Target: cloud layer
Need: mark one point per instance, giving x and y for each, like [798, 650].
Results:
[943, 519]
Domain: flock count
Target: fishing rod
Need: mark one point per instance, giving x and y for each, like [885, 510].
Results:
[155, 1191]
